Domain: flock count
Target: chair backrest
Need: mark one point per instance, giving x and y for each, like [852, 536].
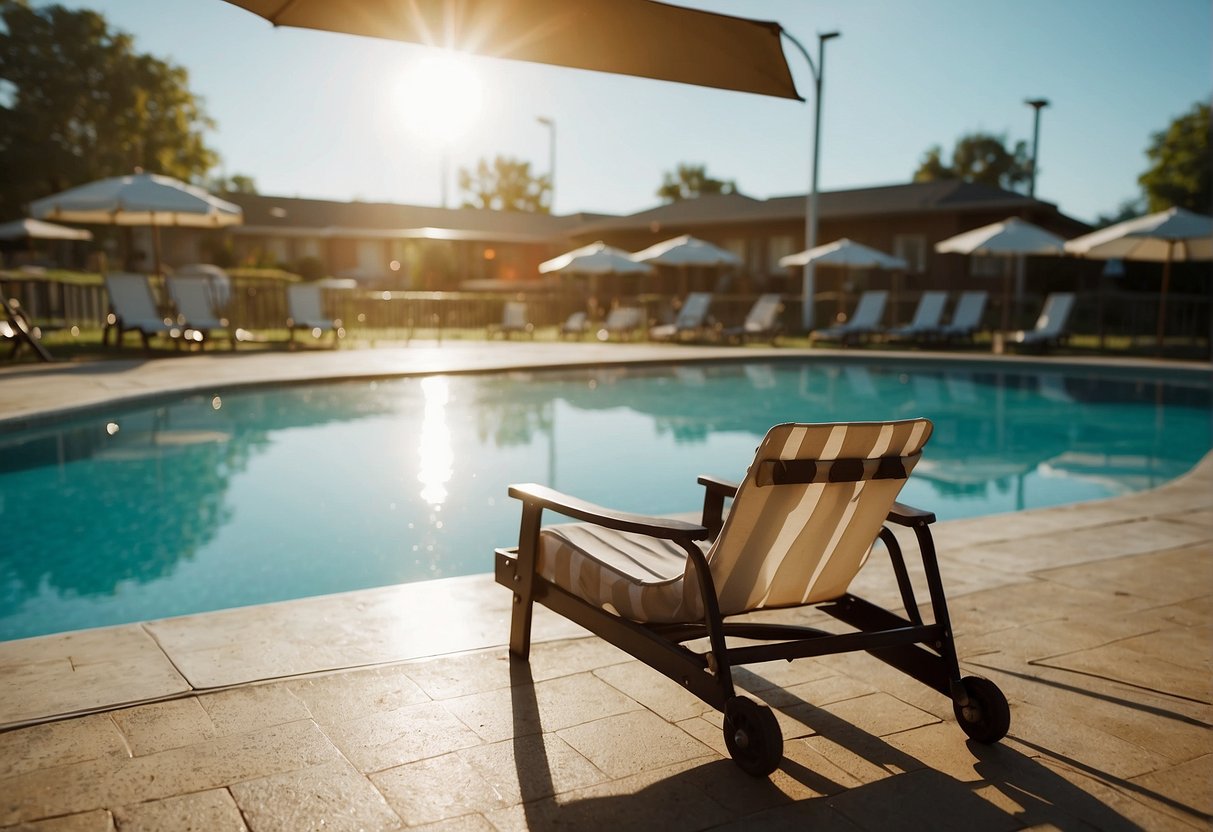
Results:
[192, 297]
[575, 323]
[763, 313]
[1056, 313]
[930, 310]
[131, 297]
[870, 308]
[513, 315]
[809, 509]
[694, 310]
[969, 310]
[303, 303]
[623, 318]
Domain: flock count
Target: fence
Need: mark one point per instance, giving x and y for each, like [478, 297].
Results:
[260, 303]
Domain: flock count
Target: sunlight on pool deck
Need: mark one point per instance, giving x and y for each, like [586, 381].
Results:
[396, 706]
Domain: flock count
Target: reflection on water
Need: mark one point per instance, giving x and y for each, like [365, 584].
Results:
[263, 495]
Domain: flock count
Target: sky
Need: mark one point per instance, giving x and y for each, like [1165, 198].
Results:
[330, 116]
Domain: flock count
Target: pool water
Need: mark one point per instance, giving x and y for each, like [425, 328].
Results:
[263, 494]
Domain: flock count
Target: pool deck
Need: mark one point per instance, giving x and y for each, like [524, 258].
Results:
[398, 707]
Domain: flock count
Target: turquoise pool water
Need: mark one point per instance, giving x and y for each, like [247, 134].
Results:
[254, 495]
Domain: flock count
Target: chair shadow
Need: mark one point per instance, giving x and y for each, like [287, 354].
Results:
[717, 794]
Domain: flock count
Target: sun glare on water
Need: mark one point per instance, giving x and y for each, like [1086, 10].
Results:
[440, 95]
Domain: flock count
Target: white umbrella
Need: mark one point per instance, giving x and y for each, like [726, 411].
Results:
[595, 259]
[846, 254]
[139, 199]
[1011, 238]
[686, 252]
[39, 230]
[1165, 237]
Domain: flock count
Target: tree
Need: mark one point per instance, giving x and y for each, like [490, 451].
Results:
[505, 185]
[1181, 170]
[983, 158]
[691, 181]
[237, 183]
[78, 103]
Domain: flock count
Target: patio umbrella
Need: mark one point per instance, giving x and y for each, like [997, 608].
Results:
[595, 259]
[628, 37]
[1013, 239]
[139, 199]
[685, 252]
[1165, 237]
[846, 254]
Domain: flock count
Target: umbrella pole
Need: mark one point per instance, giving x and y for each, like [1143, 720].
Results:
[155, 247]
[1162, 298]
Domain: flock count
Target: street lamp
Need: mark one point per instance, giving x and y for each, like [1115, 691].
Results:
[808, 290]
[1036, 104]
[551, 125]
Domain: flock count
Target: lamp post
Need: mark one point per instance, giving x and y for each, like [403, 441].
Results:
[551, 125]
[808, 289]
[1036, 104]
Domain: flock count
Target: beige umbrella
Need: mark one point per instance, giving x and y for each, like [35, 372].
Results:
[1012, 238]
[845, 254]
[139, 199]
[1165, 237]
[686, 252]
[628, 37]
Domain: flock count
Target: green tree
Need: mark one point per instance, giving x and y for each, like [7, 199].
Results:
[505, 185]
[237, 183]
[691, 181]
[1181, 164]
[78, 103]
[983, 158]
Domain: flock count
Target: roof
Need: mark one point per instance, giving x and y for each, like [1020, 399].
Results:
[911, 198]
[294, 217]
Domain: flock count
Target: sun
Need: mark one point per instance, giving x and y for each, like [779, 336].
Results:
[440, 95]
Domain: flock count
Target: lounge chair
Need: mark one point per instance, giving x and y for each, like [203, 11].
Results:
[801, 524]
[133, 308]
[195, 307]
[928, 316]
[575, 326]
[761, 323]
[691, 319]
[864, 323]
[513, 320]
[966, 317]
[622, 321]
[16, 326]
[304, 312]
[1052, 327]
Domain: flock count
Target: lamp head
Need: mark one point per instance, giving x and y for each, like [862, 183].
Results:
[1037, 102]
[827, 35]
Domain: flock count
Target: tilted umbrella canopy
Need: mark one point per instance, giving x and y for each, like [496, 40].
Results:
[596, 258]
[687, 251]
[628, 37]
[1174, 234]
[844, 252]
[1165, 237]
[39, 230]
[138, 199]
[1010, 237]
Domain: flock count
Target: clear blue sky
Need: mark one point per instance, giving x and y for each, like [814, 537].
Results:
[320, 115]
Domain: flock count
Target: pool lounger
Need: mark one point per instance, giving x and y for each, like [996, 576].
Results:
[802, 523]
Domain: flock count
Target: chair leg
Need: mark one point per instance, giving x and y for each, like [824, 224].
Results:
[524, 581]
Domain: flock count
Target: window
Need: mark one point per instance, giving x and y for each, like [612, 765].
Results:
[913, 249]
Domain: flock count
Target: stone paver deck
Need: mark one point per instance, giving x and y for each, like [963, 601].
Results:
[1095, 619]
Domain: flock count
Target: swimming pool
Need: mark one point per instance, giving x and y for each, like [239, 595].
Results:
[260, 494]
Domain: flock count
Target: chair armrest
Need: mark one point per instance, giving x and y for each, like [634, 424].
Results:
[715, 492]
[660, 527]
[904, 515]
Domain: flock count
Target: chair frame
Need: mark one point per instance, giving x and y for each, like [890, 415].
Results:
[24, 332]
[923, 650]
[114, 322]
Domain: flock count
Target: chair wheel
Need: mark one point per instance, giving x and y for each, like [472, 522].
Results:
[987, 717]
[752, 736]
